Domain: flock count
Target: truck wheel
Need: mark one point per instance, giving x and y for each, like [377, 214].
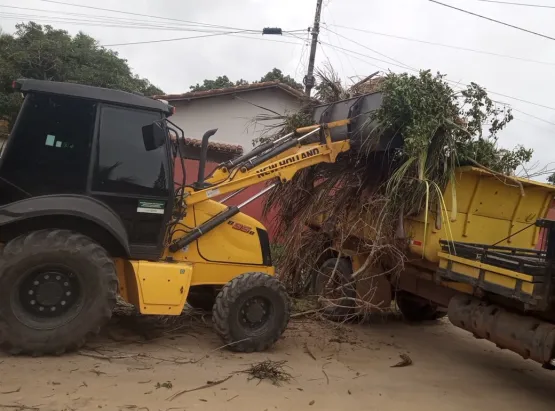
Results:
[251, 312]
[338, 289]
[416, 309]
[57, 288]
[202, 297]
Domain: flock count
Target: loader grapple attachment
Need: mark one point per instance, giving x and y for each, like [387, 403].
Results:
[360, 110]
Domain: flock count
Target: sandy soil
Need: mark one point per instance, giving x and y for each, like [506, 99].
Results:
[333, 368]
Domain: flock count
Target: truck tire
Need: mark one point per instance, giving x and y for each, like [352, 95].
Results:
[202, 297]
[416, 309]
[344, 307]
[57, 288]
[251, 312]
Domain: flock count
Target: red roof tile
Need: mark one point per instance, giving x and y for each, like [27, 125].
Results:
[235, 150]
[231, 90]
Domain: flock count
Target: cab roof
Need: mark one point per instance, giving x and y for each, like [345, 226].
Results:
[92, 93]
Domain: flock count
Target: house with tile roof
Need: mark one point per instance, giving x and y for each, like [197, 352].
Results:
[233, 110]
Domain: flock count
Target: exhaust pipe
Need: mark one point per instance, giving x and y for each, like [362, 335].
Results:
[527, 336]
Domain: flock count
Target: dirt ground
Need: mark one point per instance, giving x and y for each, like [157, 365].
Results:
[347, 367]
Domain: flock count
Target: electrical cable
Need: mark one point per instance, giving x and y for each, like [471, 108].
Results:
[368, 48]
[108, 23]
[518, 4]
[139, 14]
[493, 20]
[443, 45]
[449, 81]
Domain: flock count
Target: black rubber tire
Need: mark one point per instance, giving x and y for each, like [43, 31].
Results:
[344, 270]
[202, 297]
[93, 269]
[417, 309]
[225, 314]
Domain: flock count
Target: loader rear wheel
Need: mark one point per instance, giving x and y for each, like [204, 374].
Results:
[251, 312]
[57, 288]
[417, 309]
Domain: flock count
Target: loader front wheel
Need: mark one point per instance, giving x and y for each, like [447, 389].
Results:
[57, 288]
[251, 312]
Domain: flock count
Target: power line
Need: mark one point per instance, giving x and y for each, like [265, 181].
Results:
[449, 81]
[108, 23]
[348, 53]
[518, 4]
[403, 66]
[443, 45]
[139, 14]
[177, 39]
[493, 20]
[331, 16]
[368, 48]
[230, 33]
[533, 116]
[345, 51]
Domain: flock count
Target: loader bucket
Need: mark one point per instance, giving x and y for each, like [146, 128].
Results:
[359, 109]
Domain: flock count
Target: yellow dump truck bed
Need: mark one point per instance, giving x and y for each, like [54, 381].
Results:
[486, 235]
[482, 208]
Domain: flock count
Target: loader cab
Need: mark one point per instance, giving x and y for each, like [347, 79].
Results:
[106, 145]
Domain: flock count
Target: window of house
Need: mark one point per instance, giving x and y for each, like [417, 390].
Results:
[123, 164]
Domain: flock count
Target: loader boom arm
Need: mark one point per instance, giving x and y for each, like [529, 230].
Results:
[282, 162]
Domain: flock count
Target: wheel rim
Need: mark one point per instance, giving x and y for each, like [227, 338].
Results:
[48, 293]
[254, 314]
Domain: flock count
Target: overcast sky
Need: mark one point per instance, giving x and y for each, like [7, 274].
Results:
[174, 66]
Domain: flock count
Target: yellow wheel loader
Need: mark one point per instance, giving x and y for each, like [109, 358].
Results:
[89, 210]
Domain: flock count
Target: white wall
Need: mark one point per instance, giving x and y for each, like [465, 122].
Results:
[231, 115]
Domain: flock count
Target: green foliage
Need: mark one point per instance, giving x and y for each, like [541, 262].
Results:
[443, 128]
[42, 52]
[277, 75]
[220, 82]
[225, 82]
[551, 179]
[282, 124]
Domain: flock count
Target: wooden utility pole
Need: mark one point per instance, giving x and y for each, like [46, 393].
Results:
[309, 79]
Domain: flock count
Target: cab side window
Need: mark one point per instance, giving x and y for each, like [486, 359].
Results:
[48, 151]
[123, 164]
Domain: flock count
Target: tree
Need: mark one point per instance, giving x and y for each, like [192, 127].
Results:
[551, 179]
[225, 82]
[220, 82]
[277, 75]
[42, 52]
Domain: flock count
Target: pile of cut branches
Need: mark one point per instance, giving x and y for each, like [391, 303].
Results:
[365, 194]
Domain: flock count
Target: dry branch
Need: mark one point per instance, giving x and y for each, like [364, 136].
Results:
[208, 384]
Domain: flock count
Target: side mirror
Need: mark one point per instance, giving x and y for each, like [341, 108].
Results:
[154, 135]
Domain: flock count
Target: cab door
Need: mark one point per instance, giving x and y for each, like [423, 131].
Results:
[134, 181]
